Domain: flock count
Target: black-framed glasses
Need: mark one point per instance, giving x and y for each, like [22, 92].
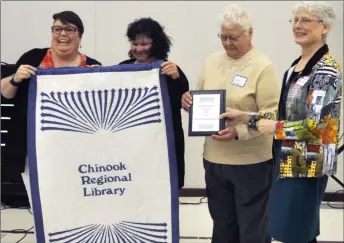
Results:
[58, 29]
[303, 20]
[141, 44]
[229, 37]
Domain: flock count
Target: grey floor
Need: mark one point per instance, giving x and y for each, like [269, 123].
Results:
[195, 223]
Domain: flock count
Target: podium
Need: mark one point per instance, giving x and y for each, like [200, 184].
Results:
[13, 192]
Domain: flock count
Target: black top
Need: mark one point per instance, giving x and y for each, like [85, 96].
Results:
[294, 75]
[176, 89]
[16, 147]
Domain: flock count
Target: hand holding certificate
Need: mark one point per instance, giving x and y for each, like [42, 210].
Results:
[206, 108]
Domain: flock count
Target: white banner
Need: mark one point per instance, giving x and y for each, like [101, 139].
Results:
[101, 155]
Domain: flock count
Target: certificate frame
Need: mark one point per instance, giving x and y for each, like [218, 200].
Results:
[222, 109]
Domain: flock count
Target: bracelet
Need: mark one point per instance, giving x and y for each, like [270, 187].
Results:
[253, 118]
[14, 83]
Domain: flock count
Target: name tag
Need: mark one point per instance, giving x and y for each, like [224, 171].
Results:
[302, 81]
[239, 81]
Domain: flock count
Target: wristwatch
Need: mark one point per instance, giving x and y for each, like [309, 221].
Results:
[14, 83]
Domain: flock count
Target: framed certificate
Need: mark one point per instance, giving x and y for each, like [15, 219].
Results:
[207, 106]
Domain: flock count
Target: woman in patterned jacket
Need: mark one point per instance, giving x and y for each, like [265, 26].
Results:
[306, 130]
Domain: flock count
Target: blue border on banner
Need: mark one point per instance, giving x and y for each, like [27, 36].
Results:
[35, 194]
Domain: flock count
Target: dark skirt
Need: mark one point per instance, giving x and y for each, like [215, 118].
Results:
[295, 206]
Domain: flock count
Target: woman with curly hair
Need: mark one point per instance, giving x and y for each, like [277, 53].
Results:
[149, 43]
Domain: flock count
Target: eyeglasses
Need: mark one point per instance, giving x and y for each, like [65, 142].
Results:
[141, 44]
[303, 21]
[58, 29]
[231, 38]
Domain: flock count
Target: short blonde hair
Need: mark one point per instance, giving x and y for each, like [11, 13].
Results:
[233, 15]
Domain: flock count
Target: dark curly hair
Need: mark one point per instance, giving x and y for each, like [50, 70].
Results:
[146, 26]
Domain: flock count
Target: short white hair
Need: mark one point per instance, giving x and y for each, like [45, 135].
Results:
[321, 10]
[233, 15]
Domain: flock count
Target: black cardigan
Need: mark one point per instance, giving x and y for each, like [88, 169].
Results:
[176, 89]
[16, 150]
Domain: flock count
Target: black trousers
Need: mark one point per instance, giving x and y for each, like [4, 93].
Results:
[238, 197]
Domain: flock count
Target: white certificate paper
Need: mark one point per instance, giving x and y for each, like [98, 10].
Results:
[206, 112]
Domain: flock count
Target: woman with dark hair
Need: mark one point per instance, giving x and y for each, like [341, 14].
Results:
[149, 43]
[67, 31]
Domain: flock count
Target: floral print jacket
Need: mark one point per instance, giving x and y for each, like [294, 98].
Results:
[309, 118]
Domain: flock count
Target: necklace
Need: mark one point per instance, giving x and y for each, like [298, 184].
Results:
[236, 68]
[232, 67]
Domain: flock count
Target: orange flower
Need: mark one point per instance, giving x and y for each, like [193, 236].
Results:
[330, 133]
[279, 130]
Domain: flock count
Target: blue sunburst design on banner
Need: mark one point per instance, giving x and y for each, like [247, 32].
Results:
[101, 110]
[123, 232]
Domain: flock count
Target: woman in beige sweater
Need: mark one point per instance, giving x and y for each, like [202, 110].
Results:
[238, 161]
